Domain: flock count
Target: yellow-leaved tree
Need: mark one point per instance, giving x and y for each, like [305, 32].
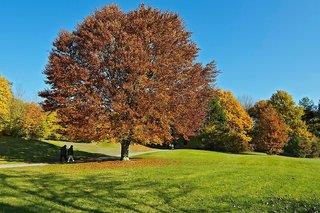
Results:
[5, 101]
[300, 143]
[51, 127]
[32, 121]
[227, 125]
[239, 122]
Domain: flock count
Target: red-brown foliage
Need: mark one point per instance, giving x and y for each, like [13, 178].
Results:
[270, 131]
[128, 75]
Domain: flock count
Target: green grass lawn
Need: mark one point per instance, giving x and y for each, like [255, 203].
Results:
[167, 181]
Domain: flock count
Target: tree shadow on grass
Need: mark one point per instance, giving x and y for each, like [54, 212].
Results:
[270, 204]
[103, 193]
[35, 151]
[89, 194]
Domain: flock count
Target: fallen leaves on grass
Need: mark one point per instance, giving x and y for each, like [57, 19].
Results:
[139, 148]
[117, 164]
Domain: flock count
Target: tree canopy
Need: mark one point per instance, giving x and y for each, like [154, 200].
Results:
[227, 124]
[291, 113]
[5, 101]
[270, 132]
[131, 76]
[311, 115]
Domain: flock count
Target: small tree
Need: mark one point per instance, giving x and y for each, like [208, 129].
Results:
[246, 101]
[130, 76]
[270, 132]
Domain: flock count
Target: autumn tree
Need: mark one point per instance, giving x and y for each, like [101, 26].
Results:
[239, 122]
[214, 128]
[5, 101]
[227, 124]
[51, 129]
[301, 139]
[130, 76]
[270, 132]
[32, 121]
[291, 113]
[17, 111]
[311, 115]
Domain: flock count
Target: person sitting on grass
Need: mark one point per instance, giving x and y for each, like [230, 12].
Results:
[70, 154]
[63, 154]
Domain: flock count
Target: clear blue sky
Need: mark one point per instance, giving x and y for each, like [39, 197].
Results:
[260, 45]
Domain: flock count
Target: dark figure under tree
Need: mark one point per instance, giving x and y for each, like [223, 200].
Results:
[63, 154]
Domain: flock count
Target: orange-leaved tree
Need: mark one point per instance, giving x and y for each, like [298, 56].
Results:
[270, 132]
[130, 76]
[32, 121]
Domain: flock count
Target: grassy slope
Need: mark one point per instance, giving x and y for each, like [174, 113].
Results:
[179, 180]
[13, 150]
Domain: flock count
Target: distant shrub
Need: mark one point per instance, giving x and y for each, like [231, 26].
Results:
[315, 149]
[230, 142]
[298, 147]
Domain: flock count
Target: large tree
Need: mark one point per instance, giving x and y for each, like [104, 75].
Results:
[130, 76]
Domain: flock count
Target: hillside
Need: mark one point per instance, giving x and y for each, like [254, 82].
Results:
[173, 180]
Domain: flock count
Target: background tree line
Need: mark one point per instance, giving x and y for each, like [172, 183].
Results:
[274, 126]
[19, 118]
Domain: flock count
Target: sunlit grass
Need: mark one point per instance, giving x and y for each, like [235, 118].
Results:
[168, 181]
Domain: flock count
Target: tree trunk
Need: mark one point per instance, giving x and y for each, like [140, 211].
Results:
[125, 149]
